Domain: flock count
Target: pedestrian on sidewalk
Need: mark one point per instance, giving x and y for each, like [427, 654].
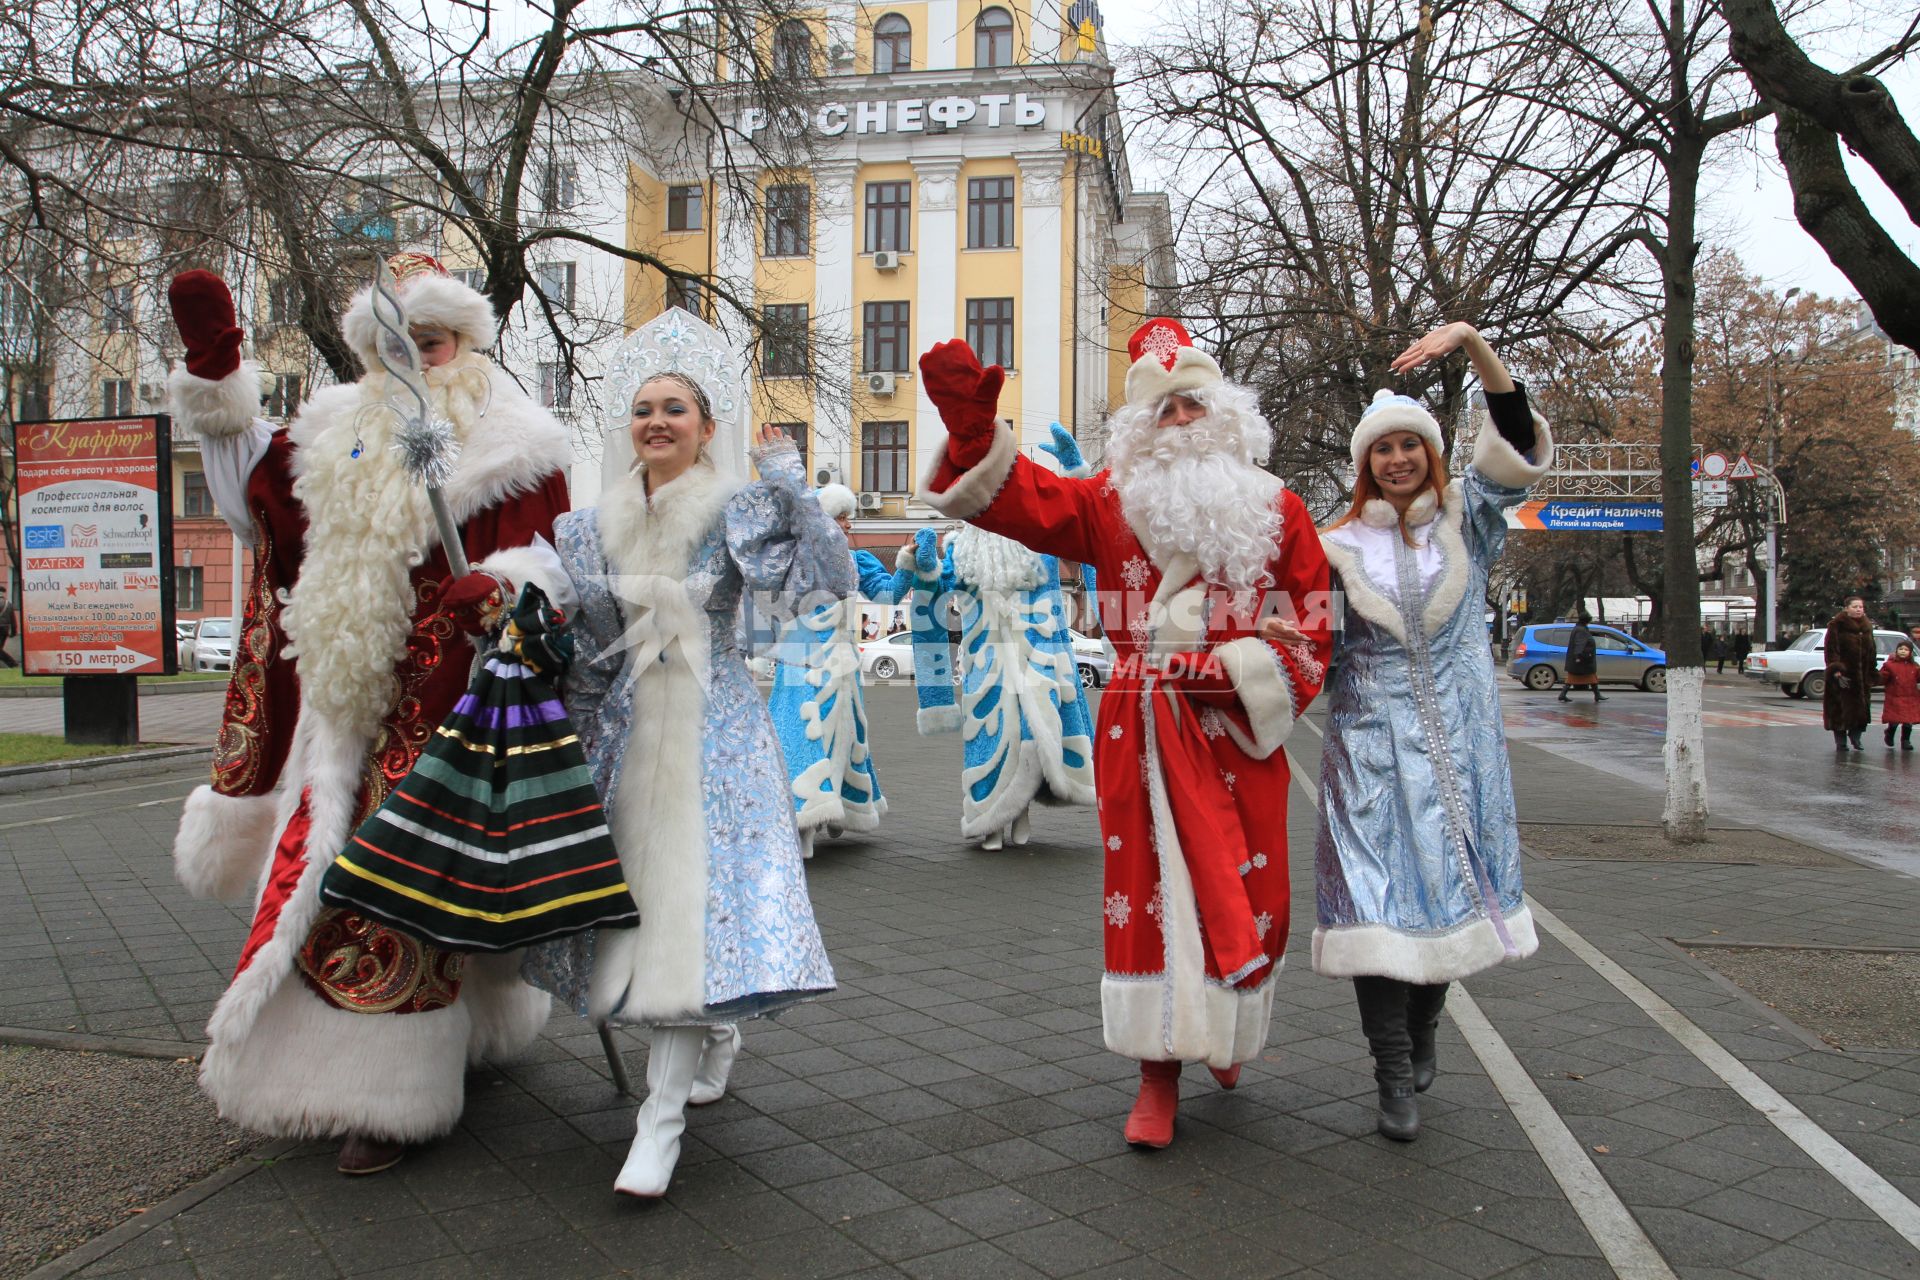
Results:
[1742, 650]
[1583, 659]
[336, 1026]
[1846, 708]
[1900, 677]
[1418, 859]
[1188, 534]
[682, 748]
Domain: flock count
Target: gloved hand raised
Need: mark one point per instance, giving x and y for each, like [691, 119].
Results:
[926, 552]
[966, 396]
[203, 312]
[1065, 450]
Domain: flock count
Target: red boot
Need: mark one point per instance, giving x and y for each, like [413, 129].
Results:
[1150, 1124]
[1228, 1078]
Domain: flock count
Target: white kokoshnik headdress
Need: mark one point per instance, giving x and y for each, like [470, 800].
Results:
[679, 342]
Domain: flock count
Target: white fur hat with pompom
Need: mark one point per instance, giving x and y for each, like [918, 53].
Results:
[1389, 413]
[837, 500]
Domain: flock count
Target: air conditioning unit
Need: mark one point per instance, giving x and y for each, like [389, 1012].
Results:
[839, 53]
[153, 392]
[886, 260]
[881, 383]
[827, 473]
[870, 502]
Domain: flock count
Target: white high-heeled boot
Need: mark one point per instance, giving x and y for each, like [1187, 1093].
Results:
[721, 1046]
[671, 1063]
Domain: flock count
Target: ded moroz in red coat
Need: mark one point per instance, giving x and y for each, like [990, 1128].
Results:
[1192, 797]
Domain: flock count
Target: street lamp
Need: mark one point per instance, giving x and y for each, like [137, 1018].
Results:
[1776, 510]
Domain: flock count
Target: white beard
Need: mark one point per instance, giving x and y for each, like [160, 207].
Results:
[1195, 490]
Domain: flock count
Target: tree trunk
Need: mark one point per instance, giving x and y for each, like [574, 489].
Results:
[1685, 818]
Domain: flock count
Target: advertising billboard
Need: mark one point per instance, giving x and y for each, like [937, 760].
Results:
[96, 542]
[1580, 515]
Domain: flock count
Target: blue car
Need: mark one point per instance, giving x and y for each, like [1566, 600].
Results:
[1539, 658]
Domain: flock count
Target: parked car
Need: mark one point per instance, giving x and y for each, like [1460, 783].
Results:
[887, 657]
[1539, 658]
[183, 632]
[210, 648]
[1093, 658]
[1800, 669]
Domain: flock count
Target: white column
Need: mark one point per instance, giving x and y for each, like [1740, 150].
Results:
[943, 35]
[936, 264]
[833, 318]
[1042, 274]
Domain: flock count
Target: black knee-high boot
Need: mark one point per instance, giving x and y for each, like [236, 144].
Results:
[1383, 1019]
[1423, 1024]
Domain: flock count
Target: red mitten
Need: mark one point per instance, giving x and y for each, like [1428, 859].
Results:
[203, 312]
[966, 396]
[475, 602]
[1202, 677]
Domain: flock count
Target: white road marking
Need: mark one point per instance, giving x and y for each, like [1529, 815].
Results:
[60, 793]
[1621, 1241]
[1886, 1200]
[37, 822]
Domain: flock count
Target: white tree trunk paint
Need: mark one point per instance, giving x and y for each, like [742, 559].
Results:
[1685, 819]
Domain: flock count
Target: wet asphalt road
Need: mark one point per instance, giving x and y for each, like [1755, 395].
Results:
[1769, 762]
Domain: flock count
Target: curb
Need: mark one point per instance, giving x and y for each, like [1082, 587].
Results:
[86, 1042]
[65, 773]
[146, 690]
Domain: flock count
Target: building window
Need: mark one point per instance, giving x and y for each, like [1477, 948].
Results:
[189, 588]
[788, 222]
[783, 353]
[885, 336]
[993, 38]
[555, 280]
[793, 50]
[892, 45]
[195, 498]
[559, 186]
[284, 400]
[116, 308]
[683, 208]
[556, 388]
[283, 301]
[688, 295]
[796, 432]
[16, 314]
[989, 213]
[36, 401]
[477, 183]
[889, 215]
[116, 398]
[990, 330]
[475, 278]
[883, 457]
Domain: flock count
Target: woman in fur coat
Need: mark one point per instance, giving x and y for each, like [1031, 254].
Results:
[353, 648]
[1846, 707]
[683, 751]
[1418, 860]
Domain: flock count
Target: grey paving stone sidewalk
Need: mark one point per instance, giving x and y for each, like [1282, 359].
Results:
[951, 1111]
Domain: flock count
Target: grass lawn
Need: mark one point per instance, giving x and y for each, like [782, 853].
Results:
[44, 748]
[11, 678]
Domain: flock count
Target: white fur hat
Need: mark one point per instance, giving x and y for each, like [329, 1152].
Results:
[1165, 361]
[1389, 413]
[836, 500]
[431, 297]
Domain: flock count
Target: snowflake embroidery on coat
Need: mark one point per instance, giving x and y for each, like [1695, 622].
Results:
[1134, 571]
[1157, 904]
[1260, 860]
[1113, 731]
[1229, 779]
[1113, 844]
[1245, 867]
[1162, 343]
[1212, 723]
[1263, 922]
[1141, 630]
[1119, 910]
[1310, 667]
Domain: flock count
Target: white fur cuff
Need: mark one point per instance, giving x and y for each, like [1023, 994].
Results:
[1501, 463]
[537, 563]
[974, 491]
[213, 409]
[1377, 950]
[938, 720]
[223, 843]
[1265, 693]
[904, 558]
[1229, 1027]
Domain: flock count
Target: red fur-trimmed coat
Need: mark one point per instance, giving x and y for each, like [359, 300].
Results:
[1901, 682]
[1192, 790]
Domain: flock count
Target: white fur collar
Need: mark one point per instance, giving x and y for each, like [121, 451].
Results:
[1371, 603]
[1378, 513]
[659, 537]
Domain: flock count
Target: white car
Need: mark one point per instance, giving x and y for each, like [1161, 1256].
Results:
[210, 647]
[887, 657]
[1800, 669]
[1093, 658]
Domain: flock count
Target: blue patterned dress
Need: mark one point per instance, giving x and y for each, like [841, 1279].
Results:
[762, 947]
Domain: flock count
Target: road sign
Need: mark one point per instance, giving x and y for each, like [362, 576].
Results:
[1710, 493]
[1568, 516]
[1743, 469]
[1715, 466]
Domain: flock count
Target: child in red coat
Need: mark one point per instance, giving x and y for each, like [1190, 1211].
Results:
[1900, 677]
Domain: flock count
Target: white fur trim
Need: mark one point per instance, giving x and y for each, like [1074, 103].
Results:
[428, 300]
[223, 843]
[938, 720]
[904, 558]
[1264, 691]
[214, 409]
[1501, 463]
[537, 563]
[1371, 603]
[1389, 418]
[837, 500]
[1148, 380]
[975, 490]
[506, 1014]
[1236, 1020]
[311, 1070]
[1350, 951]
